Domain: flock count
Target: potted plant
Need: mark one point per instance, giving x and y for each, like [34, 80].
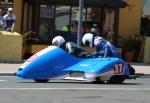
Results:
[26, 38]
[130, 47]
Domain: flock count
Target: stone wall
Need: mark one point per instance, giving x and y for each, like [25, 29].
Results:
[146, 58]
[10, 47]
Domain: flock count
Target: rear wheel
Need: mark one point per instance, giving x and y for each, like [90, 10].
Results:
[131, 69]
[41, 80]
[118, 79]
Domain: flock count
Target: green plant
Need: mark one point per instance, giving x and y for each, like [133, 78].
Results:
[131, 48]
[30, 36]
[131, 44]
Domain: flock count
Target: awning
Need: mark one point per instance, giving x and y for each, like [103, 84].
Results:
[87, 3]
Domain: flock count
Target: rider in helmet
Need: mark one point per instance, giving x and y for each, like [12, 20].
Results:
[103, 47]
[59, 41]
[70, 47]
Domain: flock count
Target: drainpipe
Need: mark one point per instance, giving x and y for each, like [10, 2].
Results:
[116, 28]
[0, 3]
[22, 16]
[80, 22]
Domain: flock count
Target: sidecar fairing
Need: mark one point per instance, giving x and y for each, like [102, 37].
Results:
[55, 63]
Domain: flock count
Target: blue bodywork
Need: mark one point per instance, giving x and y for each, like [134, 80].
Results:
[57, 62]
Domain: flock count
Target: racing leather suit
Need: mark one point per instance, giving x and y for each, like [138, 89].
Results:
[76, 50]
[105, 49]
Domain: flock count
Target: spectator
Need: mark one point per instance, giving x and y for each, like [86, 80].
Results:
[94, 30]
[2, 21]
[10, 20]
[73, 28]
[110, 37]
[65, 28]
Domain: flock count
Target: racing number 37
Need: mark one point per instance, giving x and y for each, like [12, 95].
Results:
[118, 68]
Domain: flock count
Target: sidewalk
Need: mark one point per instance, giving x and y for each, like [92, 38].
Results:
[141, 68]
[11, 68]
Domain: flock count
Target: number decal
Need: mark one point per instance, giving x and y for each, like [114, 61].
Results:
[118, 68]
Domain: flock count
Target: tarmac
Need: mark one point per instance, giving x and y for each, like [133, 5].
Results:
[9, 69]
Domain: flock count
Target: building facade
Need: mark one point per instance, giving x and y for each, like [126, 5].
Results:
[119, 18]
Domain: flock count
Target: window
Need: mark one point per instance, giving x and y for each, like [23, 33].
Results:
[5, 4]
[109, 24]
[90, 16]
[46, 22]
[62, 17]
[109, 20]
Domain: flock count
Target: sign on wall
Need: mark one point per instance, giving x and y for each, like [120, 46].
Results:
[5, 4]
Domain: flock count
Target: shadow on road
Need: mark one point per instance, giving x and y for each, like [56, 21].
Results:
[85, 83]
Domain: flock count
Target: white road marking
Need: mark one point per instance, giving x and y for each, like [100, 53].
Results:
[122, 89]
[2, 80]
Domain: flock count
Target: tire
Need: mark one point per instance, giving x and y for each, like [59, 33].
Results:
[118, 79]
[97, 81]
[131, 69]
[41, 80]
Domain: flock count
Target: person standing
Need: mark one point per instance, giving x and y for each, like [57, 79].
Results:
[65, 28]
[94, 30]
[10, 20]
[2, 21]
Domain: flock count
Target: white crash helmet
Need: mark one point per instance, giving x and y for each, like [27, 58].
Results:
[58, 41]
[88, 39]
[100, 41]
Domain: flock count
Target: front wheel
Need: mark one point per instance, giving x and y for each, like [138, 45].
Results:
[41, 80]
[118, 79]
